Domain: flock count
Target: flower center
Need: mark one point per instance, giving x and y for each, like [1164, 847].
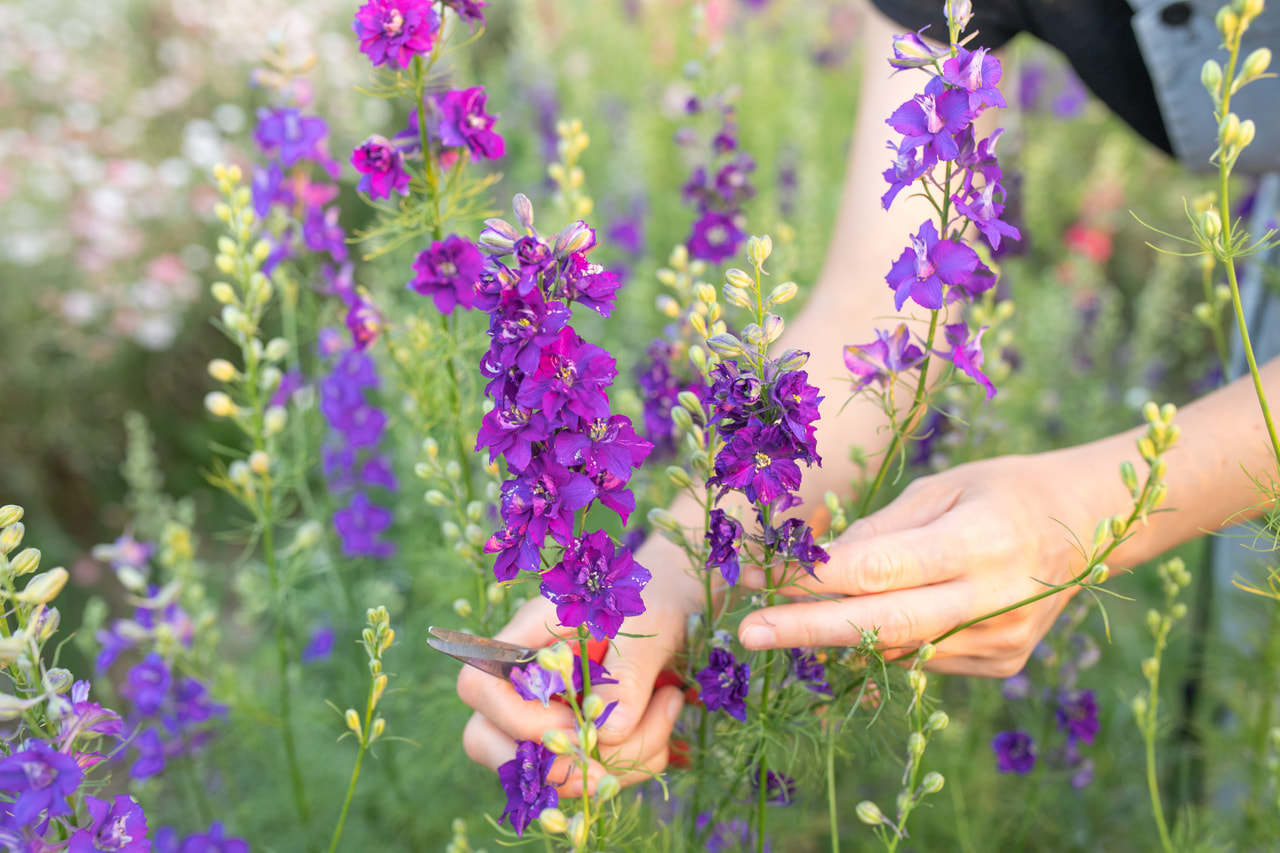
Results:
[717, 234]
[448, 269]
[393, 23]
[761, 460]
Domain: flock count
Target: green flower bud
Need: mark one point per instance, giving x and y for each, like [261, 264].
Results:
[46, 620]
[918, 681]
[1228, 130]
[1139, 707]
[10, 514]
[1203, 312]
[926, 653]
[27, 561]
[1211, 77]
[44, 587]
[1255, 64]
[277, 349]
[377, 728]
[1151, 668]
[11, 707]
[690, 402]
[608, 787]
[589, 735]
[274, 420]
[759, 249]
[219, 404]
[1247, 131]
[773, 328]
[1178, 611]
[222, 370]
[736, 296]
[553, 821]
[704, 293]
[725, 345]
[699, 324]
[663, 520]
[869, 813]
[681, 418]
[679, 477]
[938, 720]
[792, 359]
[557, 741]
[11, 648]
[495, 593]
[1210, 226]
[435, 497]
[698, 356]
[57, 680]
[738, 278]
[932, 783]
[915, 745]
[259, 463]
[1098, 574]
[462, 607]
[1228, 23]
[782, 294]
[453, 470]
[1153, 621]
[578, 830]
[593, 706]
[353, 722]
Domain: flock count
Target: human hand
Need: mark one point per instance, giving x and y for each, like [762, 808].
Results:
[953, 547]
[637, 732]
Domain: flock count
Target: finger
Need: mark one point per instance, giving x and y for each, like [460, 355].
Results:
[635, 663]
[486, 744]
[902, 618]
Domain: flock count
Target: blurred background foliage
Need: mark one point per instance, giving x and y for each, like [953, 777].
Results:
[115, 113]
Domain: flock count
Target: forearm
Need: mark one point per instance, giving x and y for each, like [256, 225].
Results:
[1222, 450]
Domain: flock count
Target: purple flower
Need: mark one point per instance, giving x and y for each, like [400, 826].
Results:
[571, 380]
[125, 551]
[116, 827]
[80, 717]
[724, 533]
[381, 166]
[603, 445]
[534, 683]
[933, 119]
[715, 237]
[590, 285]
[544, 498]
[392, 32]
[320, 646]
[468, 10]
[521, 326]
[758, 460]
[779, 788]
[358, 525]
[269, 188]
[41, 778]
[912, 51]
[728, 836]
[511, 432]
[463, 122]
[596, 584]
[793, 540]
[1077, 715]
[1015, 752]
[148, 684]
[798, 402]
[213, 842]
[882, 359]
[733, 396]
[810, 670]
[984, 211]
[151, 754]
[907, 167]
[966, 354]
[612, 492]
[976, 72]
[364, 322]
[724, 684]
[516, 552]
[288, 134]
[1017, 686]
[321, 232]
[524, 778]
[448, 272]
[926, 265]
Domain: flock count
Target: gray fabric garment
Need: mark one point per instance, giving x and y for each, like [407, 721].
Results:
[1176, 38]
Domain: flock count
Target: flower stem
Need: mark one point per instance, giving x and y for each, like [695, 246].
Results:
[833, 810]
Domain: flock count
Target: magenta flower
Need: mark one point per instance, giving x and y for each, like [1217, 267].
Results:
[984, 212]
[464, 123]
[543, 498]
[604, 445]
[760, 461]
[448, 272]
[926, 265]
[724, 684]
[524, 778]
[715, 237]
[966, 354]
[392, 32]
[976, 72]
[596, 584]
[364, 322]
[511, 432]
[933, 119]
[797, 402]
[882, 359]
[571, 381]
[1015, 752]
[116, 827]
[381, 165]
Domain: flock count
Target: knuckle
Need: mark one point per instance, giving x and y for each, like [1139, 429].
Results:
[876, 571]
[897, 627]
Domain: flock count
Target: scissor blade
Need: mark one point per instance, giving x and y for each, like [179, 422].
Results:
[492, 656]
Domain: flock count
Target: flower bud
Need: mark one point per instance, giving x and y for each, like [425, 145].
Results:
[46, 621]
[1255, 64]
[782, 294]
[792, 359]
[698, 357]
[219, 404]
[1178, 611]
[926, 653]
[274, 420]
[1228, 23]
[682, 420]
[608, 787]
[1153, 621]
[26, 562]
[869, 813]
[495, 593]
[578, 830]
[1203, 312]
[699, 324]
[44, 587]
[1151, 668]
[1228, 130]
[932, 783]
[663, 520]
[736, 296]
[1098, 574]
[259, 462]
[759, 249]
[523, 209]
[590, 734]
[918, 681]
[593, 707]
[938, 720]
[773, 328]
[223, 370]
[1211, 77]
[679, 477]
[1247, 131]
[915, 744]
[462, 607]
[738, 278]
[1210, 224]
[435, 497]
[553, 821]
[557, 741]
[277, 349]
[377, 728]
[11, 707]
[353, 722]
[10, 514]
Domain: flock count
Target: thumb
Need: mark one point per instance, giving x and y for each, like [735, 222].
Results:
[635, 662]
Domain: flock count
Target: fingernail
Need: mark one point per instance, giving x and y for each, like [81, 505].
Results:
[674, 704]
[618, 721]
[758, 637]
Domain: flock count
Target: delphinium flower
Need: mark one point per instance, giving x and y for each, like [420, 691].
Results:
[167, 716]
[393, 32]
[718, 191]
[725, 683]
[1015, 752]
[524, 778]
[119, 826]
[661, 378]
[381, 166]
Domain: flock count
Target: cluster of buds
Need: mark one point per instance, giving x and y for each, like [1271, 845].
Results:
[376, 638]
[568, 176]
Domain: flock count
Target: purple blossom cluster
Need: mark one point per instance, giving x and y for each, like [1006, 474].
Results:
[718, 191]
[167, 715]
[938, 268]
[214, 841]
[350, 458]
[393, 32]
[661, 378]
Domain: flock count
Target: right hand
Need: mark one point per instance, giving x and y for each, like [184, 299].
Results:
[637, 732]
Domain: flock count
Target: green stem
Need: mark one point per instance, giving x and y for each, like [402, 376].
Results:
[355, 777]
[833, 812]
[1149, 736]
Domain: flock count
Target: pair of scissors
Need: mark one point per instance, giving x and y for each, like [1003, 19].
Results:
[497, 657]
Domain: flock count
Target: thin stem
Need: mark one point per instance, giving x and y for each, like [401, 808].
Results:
[1149, 735]
[833, 811]
[355, 773]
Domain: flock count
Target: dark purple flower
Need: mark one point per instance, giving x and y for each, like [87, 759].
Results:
[798, 402]
[933, 119]
[544, 497]
[730, 836]
[715, 237]
[589, 284]
[213, 842]
[779, 788]
[976, 72]
[320, 646]
[532, 253]
[468, 10]
[733, 181]
[724, 684]
[524, 778]
[810, 670]
[596, 584]
[288, 134]
[40, 778]
[392, 32]
[377, 472]
[381, 165]
[734, 395]
[626, 234]
[290, 383]
[463, 122]
[1077, 715]
[1017, 686]
[724, 534]
[612, 493]
[926, 265]
[358, 525]
[760, 461]
[511, 432]
[148, 684]
[192, 704]
[603, 445]
[269, 188]
[966, 354]
[793, 540]
[448, 272]
[521, 326]
[882, 359]
[571, 380]
[908, 166]
[151, 754]
[116, 827]
[81, 718]
[1015, 752]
